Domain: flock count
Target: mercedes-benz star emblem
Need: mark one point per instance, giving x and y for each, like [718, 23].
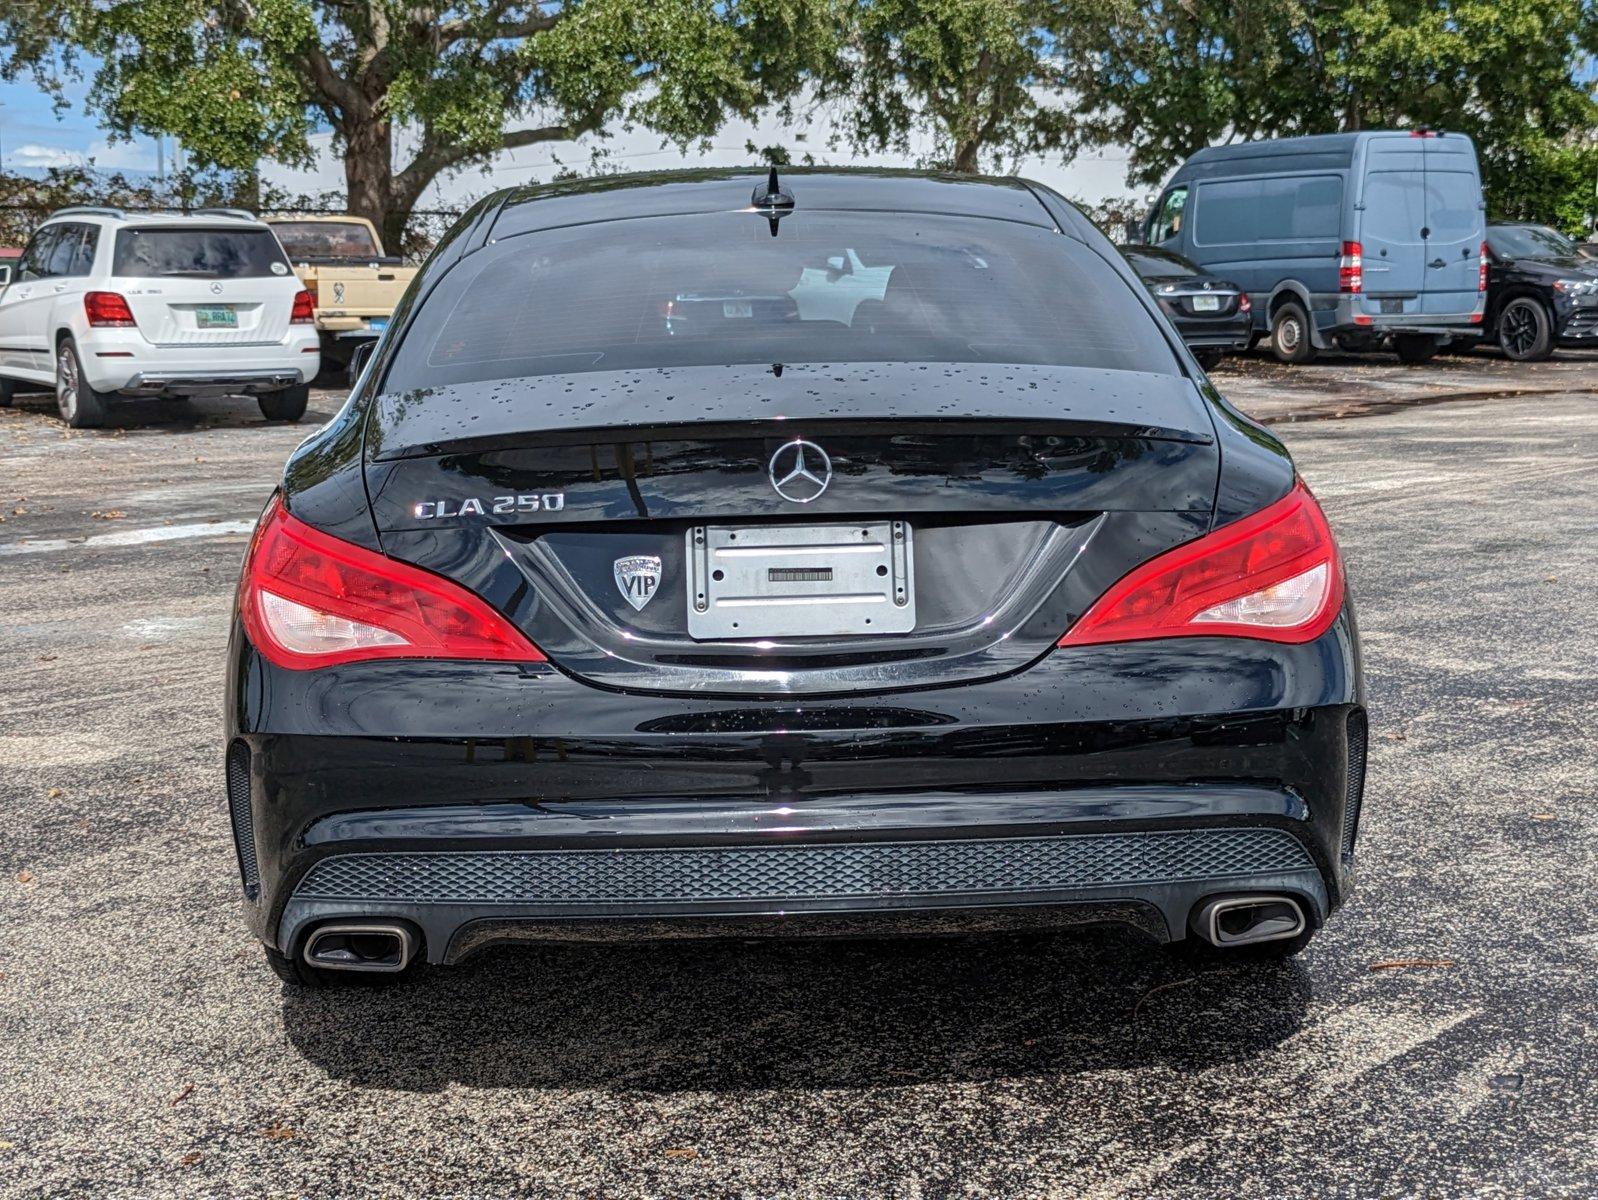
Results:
[800, 471]
[216, 289]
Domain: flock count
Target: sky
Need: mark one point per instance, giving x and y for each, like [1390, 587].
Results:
[32, 136]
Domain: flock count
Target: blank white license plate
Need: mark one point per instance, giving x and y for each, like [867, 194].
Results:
[1206, 304]
[773, 581]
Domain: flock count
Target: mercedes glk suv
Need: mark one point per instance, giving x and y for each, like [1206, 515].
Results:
[717, 554]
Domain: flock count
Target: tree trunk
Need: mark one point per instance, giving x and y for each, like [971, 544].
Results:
[368, 178]
[967, 156]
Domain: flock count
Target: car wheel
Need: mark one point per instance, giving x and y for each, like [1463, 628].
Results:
[300, 973]
[80, 406]
[1290, 334]
[287, 405]
[1525, 333]
[1208, 359]
[1415, 348]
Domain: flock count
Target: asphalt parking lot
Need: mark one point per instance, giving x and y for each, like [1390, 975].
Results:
[1440, 1038]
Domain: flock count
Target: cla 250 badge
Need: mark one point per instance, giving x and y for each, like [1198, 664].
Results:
[494, 506]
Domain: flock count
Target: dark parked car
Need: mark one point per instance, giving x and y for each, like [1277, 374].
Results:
[948, 598]
[1541, 292]
[1212, 315]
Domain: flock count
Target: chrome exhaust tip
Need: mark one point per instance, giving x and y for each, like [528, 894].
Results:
[360, 947]
[1245, 920]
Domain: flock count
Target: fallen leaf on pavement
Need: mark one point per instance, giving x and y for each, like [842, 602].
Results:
[183, 1094]
[1544, 817]
[24, 876]
[682, 1152]
[278, 1132]
[54, 794]
[1395, 735]
[1399, 964]
[192, 1157]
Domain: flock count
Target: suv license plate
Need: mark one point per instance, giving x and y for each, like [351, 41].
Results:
[220, 316]
[771, 581]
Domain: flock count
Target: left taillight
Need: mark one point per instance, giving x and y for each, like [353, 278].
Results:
[304, 311]
[107, 309]
[308, 599]
[1274, 575]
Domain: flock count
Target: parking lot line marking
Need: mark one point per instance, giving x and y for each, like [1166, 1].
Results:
[131, 537]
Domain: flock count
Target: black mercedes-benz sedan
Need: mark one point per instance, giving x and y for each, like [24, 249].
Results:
[1542, 293]
[1213, 315]
[712, 554]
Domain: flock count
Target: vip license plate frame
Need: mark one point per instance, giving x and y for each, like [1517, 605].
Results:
[793, 581]
[216, 316]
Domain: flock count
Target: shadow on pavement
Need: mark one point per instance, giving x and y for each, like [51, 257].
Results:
[724, 1017]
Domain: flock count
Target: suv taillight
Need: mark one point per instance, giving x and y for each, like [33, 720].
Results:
[107, 309]
[1351, 268]
[304, 312]
[308, 599]
[1274, 575]
[1481, 272]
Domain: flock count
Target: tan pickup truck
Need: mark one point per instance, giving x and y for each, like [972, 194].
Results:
[353, 284]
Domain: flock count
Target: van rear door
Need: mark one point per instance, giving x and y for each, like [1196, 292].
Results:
[1455, 225]
[1393, 216]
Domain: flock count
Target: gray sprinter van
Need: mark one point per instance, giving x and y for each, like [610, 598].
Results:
[1352, 240]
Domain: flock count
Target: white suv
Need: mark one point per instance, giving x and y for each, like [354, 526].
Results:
[106, 304]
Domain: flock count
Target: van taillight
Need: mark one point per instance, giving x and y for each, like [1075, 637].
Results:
[107, 309]
[1351, 268]
[1481, 273]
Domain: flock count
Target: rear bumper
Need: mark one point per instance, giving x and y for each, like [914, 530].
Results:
[117, 360]
[484, 803]
[1227, 333]
[1335, 314]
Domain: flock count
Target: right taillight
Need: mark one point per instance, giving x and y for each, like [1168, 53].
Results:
[1274, 575]
[1481, 269]
[1351, 268]
[304, 311]
[308, 599]
[105, 309]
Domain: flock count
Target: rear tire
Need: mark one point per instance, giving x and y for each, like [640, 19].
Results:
[1290, 334]
[80, 406]
[1208, 359]
[287, 405]
[1415, 348]
[1525, 331]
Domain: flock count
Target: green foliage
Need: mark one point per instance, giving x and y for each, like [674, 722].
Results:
[979, 76]
[243, 80]
[1169, 77]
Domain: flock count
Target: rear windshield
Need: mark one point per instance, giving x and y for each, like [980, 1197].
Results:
[1159, 264]
[1529, 241]
[325, 239]
[830, 287]
[200, 253]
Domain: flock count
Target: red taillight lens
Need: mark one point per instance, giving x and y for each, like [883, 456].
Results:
[1244, 304]
[1274, 575]
[1481, 271]
[304, 309]
[1351, 268]
[107, 308]
[311, 600]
